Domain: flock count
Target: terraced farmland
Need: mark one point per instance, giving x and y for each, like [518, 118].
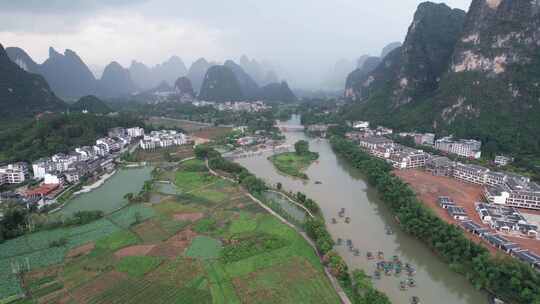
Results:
[210, 244]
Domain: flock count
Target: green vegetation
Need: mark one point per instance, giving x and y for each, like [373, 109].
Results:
[57, 133]
[204, 247]
[117, 240]
[293, 164]
[138, 266]
[506, 277]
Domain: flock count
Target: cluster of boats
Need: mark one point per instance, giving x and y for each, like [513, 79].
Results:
[341, 214]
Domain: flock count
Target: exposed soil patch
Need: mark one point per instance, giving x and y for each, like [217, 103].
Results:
[81, 250]
[429, 188]
[137, 250]
[175, 245]
[98, 286]
[151, 232]
[193, 217]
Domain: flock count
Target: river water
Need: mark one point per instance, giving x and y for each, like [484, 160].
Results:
[345, 187]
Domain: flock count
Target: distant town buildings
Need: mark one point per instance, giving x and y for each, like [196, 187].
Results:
[235, 106]
[163, 139]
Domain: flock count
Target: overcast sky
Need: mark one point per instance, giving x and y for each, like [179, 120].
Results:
[304, 37]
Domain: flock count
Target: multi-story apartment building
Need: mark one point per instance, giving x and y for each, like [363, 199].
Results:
[468, 148]
[440, 166]
[424, 139]
[516, 191]
[135, 132]
[470, 173]
[408, 158]
[14, 173]
[109, 144]
[373, 142]
[163, 139]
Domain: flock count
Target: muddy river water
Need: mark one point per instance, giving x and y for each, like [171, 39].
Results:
[344, 187]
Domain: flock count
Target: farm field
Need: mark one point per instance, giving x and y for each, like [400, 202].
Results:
[207, 244]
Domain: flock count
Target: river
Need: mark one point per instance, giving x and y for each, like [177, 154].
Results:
[345, 187]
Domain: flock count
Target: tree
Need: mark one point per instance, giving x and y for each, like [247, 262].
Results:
[301, 147]
[129, 197]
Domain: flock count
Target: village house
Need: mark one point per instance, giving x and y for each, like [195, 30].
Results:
[501, 160]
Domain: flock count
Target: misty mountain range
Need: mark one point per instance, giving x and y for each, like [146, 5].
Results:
[70, 78]
[335, 79]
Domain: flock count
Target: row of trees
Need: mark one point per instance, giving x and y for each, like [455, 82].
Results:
[508, 278]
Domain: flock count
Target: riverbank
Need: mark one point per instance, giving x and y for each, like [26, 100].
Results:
[102, 179]
[293, 164]
[495, 274]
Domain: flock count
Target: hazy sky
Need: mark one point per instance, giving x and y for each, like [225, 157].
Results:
[304, 37]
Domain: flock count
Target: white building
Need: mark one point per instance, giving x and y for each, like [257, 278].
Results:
[501, 160]
[14, 173]
[51, 179]
[360, 124]
[163, 139]
[468, 148]
[135, 132]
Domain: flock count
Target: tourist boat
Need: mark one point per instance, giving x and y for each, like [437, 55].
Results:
[347, 220]
[334, 221]
[403, 285]
[411, 282]
[369, 255]
[415, 300]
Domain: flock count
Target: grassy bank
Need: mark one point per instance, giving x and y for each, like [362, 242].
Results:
[294, 164]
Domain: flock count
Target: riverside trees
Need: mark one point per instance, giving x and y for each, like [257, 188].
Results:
[508, 278]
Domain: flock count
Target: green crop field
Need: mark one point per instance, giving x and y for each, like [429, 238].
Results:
[209, 244]
[138, 266]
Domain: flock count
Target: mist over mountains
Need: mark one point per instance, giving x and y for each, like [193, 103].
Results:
[70, 78]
